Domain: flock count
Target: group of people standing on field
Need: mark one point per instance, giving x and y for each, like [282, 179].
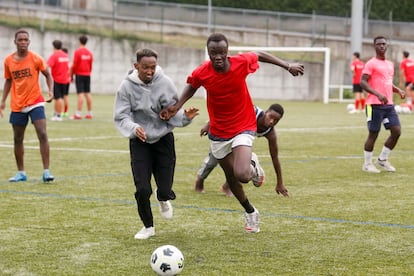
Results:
[21, 73]
[63, 74]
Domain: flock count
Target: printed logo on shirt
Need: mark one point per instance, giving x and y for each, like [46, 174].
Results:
[24, 73]
[85, 57]
[63, 59]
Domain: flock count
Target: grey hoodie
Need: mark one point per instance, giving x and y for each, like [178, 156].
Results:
[138, 105]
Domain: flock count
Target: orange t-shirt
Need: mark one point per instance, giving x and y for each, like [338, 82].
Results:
[25, 89]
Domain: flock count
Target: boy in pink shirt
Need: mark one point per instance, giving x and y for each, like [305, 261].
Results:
[377, 77]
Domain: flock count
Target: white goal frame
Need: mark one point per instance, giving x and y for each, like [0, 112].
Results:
[325, 50]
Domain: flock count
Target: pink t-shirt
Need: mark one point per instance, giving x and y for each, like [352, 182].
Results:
[381, 74]
[229, 104]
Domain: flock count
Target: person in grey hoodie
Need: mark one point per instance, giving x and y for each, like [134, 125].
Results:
[138, 101]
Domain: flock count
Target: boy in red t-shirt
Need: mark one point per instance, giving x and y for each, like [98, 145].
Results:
[232, 116]
[59, 64]
[356, 67]
[82, 68]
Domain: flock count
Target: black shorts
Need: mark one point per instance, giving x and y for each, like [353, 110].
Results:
[83, 84]
[60, 90]
[356, 88]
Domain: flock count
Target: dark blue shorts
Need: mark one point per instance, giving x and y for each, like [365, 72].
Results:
[22, 119]
[381, 114]
[83, 84]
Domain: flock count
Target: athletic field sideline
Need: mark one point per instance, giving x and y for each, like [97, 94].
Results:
[338, 220]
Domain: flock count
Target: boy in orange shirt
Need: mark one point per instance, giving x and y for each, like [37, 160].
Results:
[21, 71]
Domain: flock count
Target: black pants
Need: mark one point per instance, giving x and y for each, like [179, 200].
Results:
[156, 160]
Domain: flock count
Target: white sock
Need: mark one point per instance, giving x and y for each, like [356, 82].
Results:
[384, 153]
[367, 157]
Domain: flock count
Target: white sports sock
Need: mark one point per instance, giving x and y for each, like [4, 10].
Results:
[384, 153]
[368, 157]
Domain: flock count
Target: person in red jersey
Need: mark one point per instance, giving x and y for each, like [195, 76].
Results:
[82, 68]
[356, 67]
[232, 115]
[21, 71]
[59, 65]
[377, 80]
[407, 76]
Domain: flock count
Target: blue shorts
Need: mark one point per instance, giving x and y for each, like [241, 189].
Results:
[381, 114]
[22, 118]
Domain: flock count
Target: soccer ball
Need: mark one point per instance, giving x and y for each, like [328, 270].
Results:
[350, 107]
[167, 260]
[398, 108]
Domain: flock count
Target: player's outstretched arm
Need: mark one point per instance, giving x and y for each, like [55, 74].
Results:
[295, 69]
[280, 188]
[170, 111]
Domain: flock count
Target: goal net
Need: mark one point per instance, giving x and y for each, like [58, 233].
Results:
[271, 82]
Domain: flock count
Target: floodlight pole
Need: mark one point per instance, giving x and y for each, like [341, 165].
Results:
[209, 16]
[357, 25]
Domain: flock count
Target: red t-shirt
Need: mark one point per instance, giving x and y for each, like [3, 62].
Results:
[229, 104]
[407, 65]
[59, 65]
[25, 89]
[356, 66]
[82, 62]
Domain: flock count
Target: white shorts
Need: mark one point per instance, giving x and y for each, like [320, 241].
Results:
[221, 149]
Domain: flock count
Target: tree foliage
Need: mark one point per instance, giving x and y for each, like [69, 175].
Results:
[397, 10]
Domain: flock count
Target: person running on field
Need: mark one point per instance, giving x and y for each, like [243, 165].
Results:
[266, 120]
[21, 71]
[138, 101]
[232, 117]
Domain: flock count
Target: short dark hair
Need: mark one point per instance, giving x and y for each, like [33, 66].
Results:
[83, 39]
[57, 44]
[146, 53]
[277, 108]
[20, 31]
[356, 54]
[379, 37]
[217, 37]
[406, 54]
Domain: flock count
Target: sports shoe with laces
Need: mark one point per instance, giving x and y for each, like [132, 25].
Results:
[89, 116]
[252, 221]
[370, 168]
[259, 175]
[145, 233]
[47, 177]
[19, 177]
[166, 209]
[385, 165]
